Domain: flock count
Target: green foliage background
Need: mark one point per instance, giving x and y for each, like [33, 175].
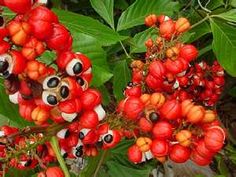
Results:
[112, 33]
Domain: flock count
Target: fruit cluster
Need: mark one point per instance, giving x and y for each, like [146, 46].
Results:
[46, 94]
[167, 99]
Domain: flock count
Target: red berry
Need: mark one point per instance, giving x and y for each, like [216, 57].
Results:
[171, 110]
[188, 52]
[133, 107]
[134, 154]
[179, 154]
[160, 148]
[162, 130]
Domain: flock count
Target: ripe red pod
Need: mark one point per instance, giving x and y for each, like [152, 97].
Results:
[171, 110]
[32, 49]
[19, 31]
[90, 98]
[145, 125]
[89, 119]
[60, 40]
[167, 29]
[133, 107]
[184, 137]
[70, 88]
[214, 138]
[195, 114]
[159, 148]
[149, 43]
[134, 154]
[188, 52]
[7, 130]
[154, 83]
[54, 172]
[70, 106]
[42, 16]
[3, 32]
[202, 150]
[157, 69]
[19, 7]
[199, 160]
[91, 151]
[110, 139]
[179, 154]
[162, 130]
[182, 25]
[88, 136]
[4, 47]
[25, 110]
[176, 66]
[74, 64]
[151, 20]
[137, 76]
[133, 90]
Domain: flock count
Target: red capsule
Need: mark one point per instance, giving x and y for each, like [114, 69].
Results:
[171, 110]
[159, 148]
[179, 154]
[162, 130]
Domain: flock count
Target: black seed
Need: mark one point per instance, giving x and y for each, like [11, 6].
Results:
[53, 82]
[79, 153]
[67, 134]
[108, 138]
[3, 66]
[6, 74]
[153, 116]
[28, 163]
[130, 84]
[81, 135]
[64, 91]
[77, 68]
[79, 148]
[52, 100]
[80, 81]
[65, 155]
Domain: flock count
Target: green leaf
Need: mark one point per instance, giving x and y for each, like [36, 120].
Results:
[135, 14]
[105, 9]
[121, 4]
[92, 165]
[87, 25]
[229, 15]
[233, 3]
[205, 50]
[198, 31]
[215, 4]
[232, 92]
[138, 41]
[222, 167]
[122, 76]
[105, 95]
[224, 45]
[13, 172]
[10, 112]
[115, 169]
[100, 76]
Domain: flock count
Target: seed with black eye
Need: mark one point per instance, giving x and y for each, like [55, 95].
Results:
[53, 82]
[65, 155]
[28, 163]
[79, 153]
[130, 84]
[3, 66]
[80, 81]
[81, 135]
[6, 74]
[64, 91]
[153, 116]
[77, 68]
[108, 138]
[52, 100]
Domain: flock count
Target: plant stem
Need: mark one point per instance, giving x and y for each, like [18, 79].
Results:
[200, 22]
[123, 47]
[100, 163]
[55, 146]
[204, 8]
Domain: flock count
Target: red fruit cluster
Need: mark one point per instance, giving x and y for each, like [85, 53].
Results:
[45, 94]
[161, 99]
